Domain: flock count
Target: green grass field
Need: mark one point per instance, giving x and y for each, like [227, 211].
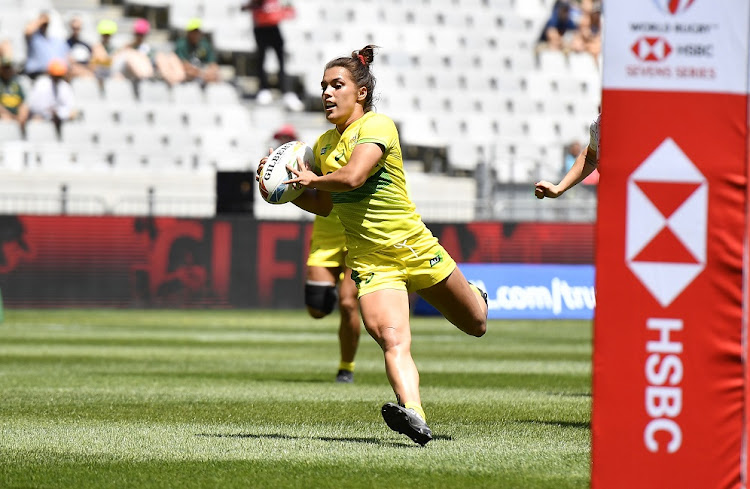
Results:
[103, 398]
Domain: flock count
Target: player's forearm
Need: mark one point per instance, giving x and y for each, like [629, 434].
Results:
[314, 202]
[581, 169]
[341, 180]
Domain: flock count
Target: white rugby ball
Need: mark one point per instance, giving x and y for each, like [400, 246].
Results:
[274, 173]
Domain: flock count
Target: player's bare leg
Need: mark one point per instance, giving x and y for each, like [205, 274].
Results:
[349, 327]
[459, 302]
[386, 316]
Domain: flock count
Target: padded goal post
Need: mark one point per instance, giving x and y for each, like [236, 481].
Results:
[669, 374]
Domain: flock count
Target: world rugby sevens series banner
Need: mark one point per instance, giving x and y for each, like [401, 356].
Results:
[668, 379]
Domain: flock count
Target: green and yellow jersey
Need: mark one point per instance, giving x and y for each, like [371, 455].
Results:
[380, 212]
[11, 95]
[328, 226]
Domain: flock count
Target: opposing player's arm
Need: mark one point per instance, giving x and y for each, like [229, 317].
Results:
[349, 177]
[585, 164]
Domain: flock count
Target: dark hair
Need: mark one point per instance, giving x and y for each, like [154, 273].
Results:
[358, 64]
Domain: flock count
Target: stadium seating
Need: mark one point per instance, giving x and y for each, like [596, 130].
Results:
[455, 74]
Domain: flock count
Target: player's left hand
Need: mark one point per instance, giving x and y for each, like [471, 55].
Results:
[303, 177]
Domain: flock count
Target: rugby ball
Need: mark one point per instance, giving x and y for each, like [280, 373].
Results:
[274, 173]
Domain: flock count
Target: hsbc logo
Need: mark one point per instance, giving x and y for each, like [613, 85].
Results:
[666, 222]
[673, 7]
[651, 48]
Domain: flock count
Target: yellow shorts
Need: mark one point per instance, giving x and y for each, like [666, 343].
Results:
[327, 250]
[416, 263]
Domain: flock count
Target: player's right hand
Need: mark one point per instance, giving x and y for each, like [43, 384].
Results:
[261, 163]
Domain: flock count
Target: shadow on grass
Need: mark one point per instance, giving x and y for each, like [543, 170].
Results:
[563, 424]
[279, 436]
[569, 394]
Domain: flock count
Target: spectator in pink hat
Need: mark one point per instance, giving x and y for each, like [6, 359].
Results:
[138, 60]
[135, 59]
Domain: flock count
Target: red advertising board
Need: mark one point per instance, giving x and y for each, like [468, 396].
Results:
[222, 262]
[669, 373]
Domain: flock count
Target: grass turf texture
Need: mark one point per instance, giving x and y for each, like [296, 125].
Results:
[94, 398]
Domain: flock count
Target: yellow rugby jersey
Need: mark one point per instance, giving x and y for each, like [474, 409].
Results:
[380, 212]
[327, 226]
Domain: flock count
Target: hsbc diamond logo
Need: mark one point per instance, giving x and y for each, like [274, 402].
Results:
[667, 222]
[651, 48]
[673, 7]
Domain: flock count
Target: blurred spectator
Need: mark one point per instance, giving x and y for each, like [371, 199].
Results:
[560, 32]
[197, 54]
[6, 49]
[583, 169]
[577, 9]
[267, 15]
[591, 31]
[41, 49]
[285, 134]
[101, 52]
[80, 50]
[142, 61]
[572, 151]
[12, 97]
[52, 96]
[136, 59]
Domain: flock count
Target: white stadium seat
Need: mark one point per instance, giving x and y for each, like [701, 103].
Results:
[40, 131]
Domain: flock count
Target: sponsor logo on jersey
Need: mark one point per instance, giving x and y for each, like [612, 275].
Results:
[358, 278]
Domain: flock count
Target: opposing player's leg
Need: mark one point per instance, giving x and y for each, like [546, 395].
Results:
[459, 302]
[349, 327]
[321, 294]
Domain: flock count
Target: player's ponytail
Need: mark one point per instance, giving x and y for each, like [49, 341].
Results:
[358, 65]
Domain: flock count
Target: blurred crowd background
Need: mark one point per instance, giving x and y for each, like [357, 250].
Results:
[164, 107]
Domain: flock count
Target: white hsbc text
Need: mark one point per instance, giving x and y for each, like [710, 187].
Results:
[663, 394]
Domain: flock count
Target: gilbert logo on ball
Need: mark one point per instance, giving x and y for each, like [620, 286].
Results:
[275, 172]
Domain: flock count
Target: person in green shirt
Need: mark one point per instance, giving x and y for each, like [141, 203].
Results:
[12, 97]
[197, 54]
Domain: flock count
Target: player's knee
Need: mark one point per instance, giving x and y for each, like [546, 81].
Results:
[475, 326]
[348, 304]
[389, 339]
[480, 327]
[320, 299]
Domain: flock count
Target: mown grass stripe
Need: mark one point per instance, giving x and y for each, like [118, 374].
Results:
[125, 398]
